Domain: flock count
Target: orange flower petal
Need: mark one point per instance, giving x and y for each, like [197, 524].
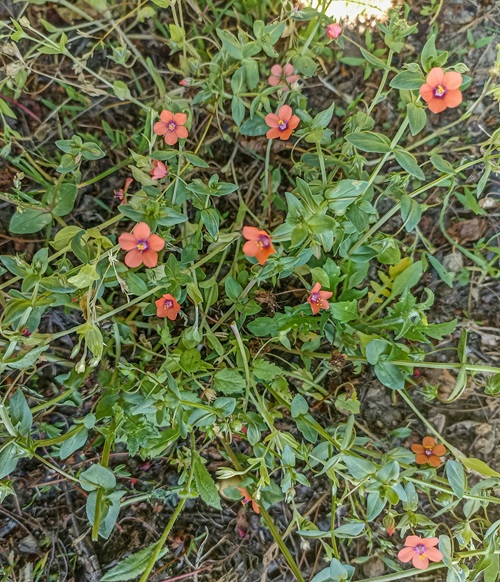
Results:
[406, 554]
[160, 128]
[314, 306]
[428, 442]
[429, 542]
[180, 118]
[252, 233]
[171, 138]
[166, 116]
[426, 92]
[434, 554]
[413, 541]
[420, 562]
[277, 71]
[435, 461]
[263, 254]
[133, 259]
[453, 98]
[288, 69]
[181, 132]
[273, 81]
[149, 258]
[435, 77]
[272, 120]
[284, 135]
[439, 450]
[127, 241]
[452, 80]
[251, 249]
[421, 459]
[316, 288]
[285, 113]
[325, 294]
[273, 133]
[437, 105]
[294, 121]
[141, 231]
[155, 242]
[418, 449]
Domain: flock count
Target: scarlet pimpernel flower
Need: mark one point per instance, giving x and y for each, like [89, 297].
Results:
[159, 170]
[334, 30]
[171, 126]
[282, 124]
[420, 551]
[167, 306]
[258, 245]
[428, 452]
[143, 246]
[247, 498]
[318, 299]
[441, 90]
[280, 74]
[120, 193]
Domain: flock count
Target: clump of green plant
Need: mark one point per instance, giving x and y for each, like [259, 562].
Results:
[204, 317]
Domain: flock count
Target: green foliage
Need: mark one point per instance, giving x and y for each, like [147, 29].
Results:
[246, 359]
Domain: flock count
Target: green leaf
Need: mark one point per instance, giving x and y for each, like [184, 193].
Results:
[204, 483]
[390, 375]
[407, 279]
[210, 218]
[237, 110]
[344, 311]
[479, 467]
[417, 118]
[254, 127]
[134, 565]
[73, 443]
[229, 381]
[428, 52]
[441, 164]
[349, 530]
[299, 406]
[368, 141]
[97, 476]
[121, 90]
[304, 65]
[230, 44]
[25, 361]
[29, 221]
[444, 275]
[64, 199]
[456, 477]
[411, 212]
[20, 413]
[407, 80]
[409, 163]
[195, 160]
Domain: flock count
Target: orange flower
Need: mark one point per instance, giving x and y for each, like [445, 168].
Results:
[171, 126]
[282, 124]
[120, 194]
[167, 306]
[441, 90]
[428, 452]
[247, 498]
[318, 299]
[420, 551]
[277, 74]
[334, 30]
[258, 245]
[143, 246]
[159, 170]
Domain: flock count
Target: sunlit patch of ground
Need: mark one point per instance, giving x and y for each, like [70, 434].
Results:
[351, 10]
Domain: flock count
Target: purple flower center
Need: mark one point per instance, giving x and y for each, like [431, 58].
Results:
[439, 91]
[420, 549]
[428, 452]
[282, 124]
[171, 126]
[168, 304]
[264, 241]
[142, 245]
[315, 298]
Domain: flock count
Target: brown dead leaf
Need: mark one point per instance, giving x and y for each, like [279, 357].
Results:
[468, 230]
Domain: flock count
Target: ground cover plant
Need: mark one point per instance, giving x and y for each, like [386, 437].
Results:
[202, 272]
